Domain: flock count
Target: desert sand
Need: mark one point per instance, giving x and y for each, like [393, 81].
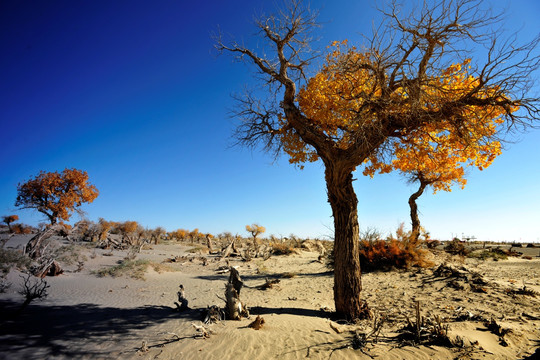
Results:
[91, 317]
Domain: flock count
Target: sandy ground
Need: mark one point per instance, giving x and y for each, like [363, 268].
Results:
[91, 317]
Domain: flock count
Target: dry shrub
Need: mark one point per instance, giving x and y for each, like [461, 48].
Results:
[495, 254]
[456, 247]
[12, 258]
[281, 249]
[401, 252]
[21, 229]
[432, 244]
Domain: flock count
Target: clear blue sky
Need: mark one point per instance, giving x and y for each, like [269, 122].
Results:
[133, 93]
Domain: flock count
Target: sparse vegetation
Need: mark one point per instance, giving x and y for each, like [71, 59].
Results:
[401, 252]
[21, 229]
[456, 247]
[32, 289]
[495, 254]
[281, 249]
[9, 219]
[133, 268]
[13, 258]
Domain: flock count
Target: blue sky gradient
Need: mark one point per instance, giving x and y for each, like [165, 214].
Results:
[133, 93]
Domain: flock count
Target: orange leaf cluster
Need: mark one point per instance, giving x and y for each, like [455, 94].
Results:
[56, 194]
[339, 100]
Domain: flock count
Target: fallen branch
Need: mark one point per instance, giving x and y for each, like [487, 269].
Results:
[269, 284]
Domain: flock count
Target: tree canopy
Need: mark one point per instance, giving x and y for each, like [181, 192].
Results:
[409, 98]
[56, 195]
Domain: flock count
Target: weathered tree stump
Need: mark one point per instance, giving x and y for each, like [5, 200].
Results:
[234, 278]
[233, 305]
[182, 303]
[234, 308]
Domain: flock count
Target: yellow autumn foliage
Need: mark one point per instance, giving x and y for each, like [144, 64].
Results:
[340, 103]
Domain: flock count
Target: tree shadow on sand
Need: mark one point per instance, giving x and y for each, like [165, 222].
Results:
[44, 331]
[262, 310]
[250, 277]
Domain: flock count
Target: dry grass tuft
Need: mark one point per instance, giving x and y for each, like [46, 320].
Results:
[133, 268]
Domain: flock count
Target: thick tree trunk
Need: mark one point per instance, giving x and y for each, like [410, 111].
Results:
[347, 274]
[415, 221]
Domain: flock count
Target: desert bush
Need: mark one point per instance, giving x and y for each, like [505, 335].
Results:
[21, 229]
[157, 234]
[69, 254]
[9, 219]
[456, 247]
[179, 235]
[13, 258]
[87, 230]
[32, 289]
[281, 249]
[432, 244]
[132, 253]
[495, 254]
[387, 254]
[401, 252]
[129, 231]
[105, 227]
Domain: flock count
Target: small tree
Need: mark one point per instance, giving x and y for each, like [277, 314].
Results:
[255, 230]
[157, 234]
[128, 230]
[10, 219]
[194, 235]
[437, 156]
[56, 195]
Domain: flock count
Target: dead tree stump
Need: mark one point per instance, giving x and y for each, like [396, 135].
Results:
[234, 278]
[182, 303]
[234, 308]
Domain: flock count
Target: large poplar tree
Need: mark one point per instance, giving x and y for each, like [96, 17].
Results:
[362, 102]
